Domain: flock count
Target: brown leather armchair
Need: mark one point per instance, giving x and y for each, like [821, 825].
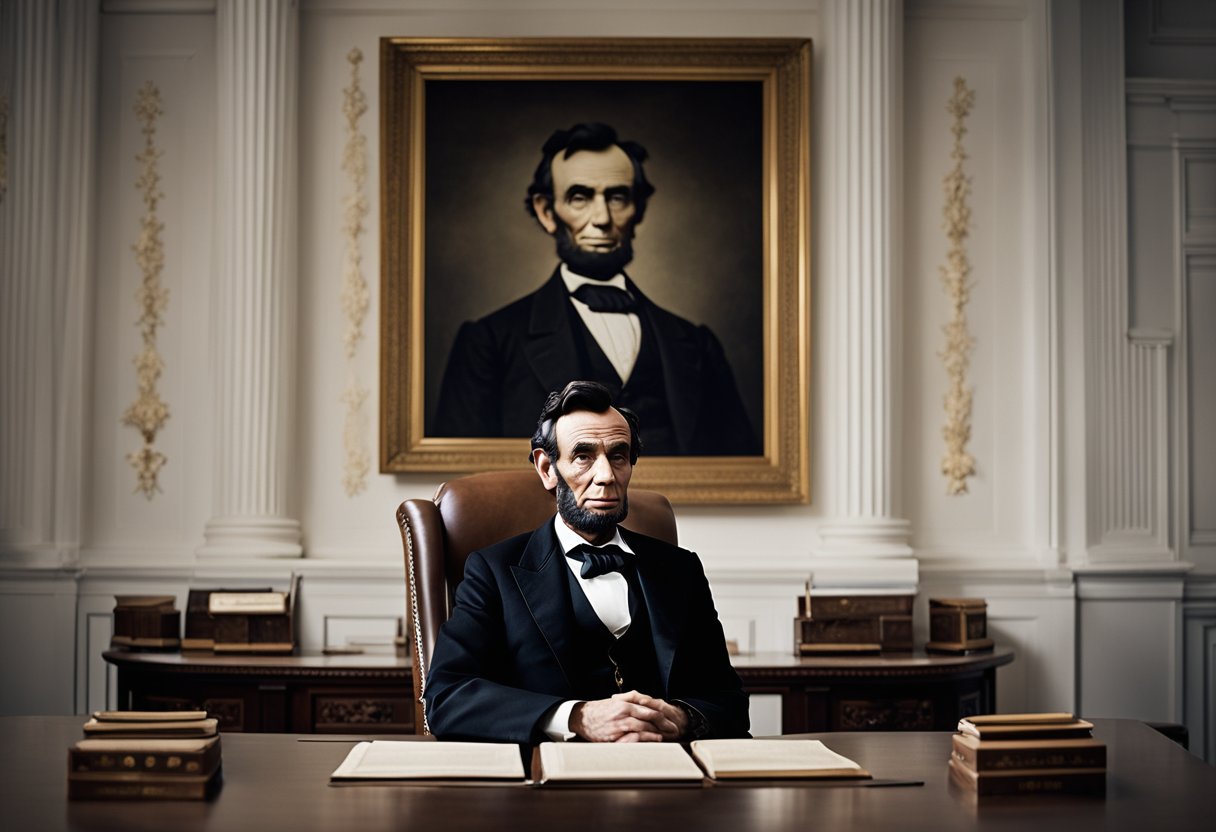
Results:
[471, 513]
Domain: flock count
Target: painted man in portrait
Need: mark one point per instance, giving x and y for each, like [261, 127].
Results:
[590, 320]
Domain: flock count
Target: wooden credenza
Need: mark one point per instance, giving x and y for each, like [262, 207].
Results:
[891, 692]
[305, 694]
[314, 693]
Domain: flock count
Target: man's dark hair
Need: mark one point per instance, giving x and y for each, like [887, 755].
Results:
[593, 136]
[580, 395]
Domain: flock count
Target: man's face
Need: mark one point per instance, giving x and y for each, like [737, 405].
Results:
[592, 200]
[592, 472]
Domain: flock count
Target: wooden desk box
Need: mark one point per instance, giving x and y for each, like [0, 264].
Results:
[958, 625]
[854, 624]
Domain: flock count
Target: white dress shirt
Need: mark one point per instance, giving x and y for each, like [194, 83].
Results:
[619, 334]
[608, 595]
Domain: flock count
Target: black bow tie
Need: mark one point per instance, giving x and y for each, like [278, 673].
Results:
[600, 560]
[605, 298]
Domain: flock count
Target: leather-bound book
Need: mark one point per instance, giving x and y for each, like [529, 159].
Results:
[146, 756]
[140, 786]
[1029, 781]
[1002, 755]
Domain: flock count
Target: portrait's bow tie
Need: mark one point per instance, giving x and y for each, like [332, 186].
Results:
[605, 298]
[600, 560]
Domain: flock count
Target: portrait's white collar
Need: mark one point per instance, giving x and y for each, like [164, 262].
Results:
[573, 280]
[568, 538]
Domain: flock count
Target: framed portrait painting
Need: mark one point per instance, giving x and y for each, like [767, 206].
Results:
[634, 211]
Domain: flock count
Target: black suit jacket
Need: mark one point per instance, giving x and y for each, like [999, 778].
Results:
[499, 664]
[502, 367]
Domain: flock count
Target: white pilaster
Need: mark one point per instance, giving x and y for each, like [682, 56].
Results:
[863, 53]
[1125, 389]
[48, 81]
[253, 327]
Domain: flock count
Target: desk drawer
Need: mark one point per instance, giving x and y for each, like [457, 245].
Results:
[345, 711]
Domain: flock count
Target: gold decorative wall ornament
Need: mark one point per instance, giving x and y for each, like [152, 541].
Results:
[148, 413]
[957, 464]
[355, 296]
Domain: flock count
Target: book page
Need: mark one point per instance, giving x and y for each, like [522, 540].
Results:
[1027, 730]
[149, 716]
[1019, 719]
[222, 603]
[616, 761]
[773, 758]
[402, 760]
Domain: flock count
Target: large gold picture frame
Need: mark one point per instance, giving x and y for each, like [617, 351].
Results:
[511, 93]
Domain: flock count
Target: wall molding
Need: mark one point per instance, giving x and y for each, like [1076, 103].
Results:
[1176, 34]
[934, 9]
[1192, 543]
[1199, 685]
[1126, 383]
[158, 6]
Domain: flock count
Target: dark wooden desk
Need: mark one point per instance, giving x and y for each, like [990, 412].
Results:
[274, 782]
[327, 694]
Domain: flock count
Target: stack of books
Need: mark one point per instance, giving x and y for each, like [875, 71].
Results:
[151, 755]
[1001, 754]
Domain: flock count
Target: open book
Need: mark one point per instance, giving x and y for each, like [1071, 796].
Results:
[649, 763]
[405, 760]
[773, 759]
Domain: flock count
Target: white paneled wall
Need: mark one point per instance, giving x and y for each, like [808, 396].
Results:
[1032, 612]
[1199, 636]
[1130, 625]
[999, 50]
[37, 614]
[177, 54]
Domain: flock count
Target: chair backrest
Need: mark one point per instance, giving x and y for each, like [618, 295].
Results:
[471, 513]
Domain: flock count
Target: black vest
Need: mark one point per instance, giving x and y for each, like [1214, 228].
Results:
[599, 655]
[645, 393]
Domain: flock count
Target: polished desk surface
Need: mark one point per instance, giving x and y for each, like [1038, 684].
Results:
[918, 663]
[749, 664]
[343, 664]
[278, 782]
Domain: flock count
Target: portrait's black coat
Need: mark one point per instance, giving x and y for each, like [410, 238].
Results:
[502, 367]
[506, 655]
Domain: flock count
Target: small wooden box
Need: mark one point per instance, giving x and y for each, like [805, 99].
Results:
[958, 625]
[146, 621]
[854, 624]
[253, 622]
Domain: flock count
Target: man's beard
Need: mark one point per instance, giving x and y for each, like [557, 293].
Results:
[579, 518]
[594, 264]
